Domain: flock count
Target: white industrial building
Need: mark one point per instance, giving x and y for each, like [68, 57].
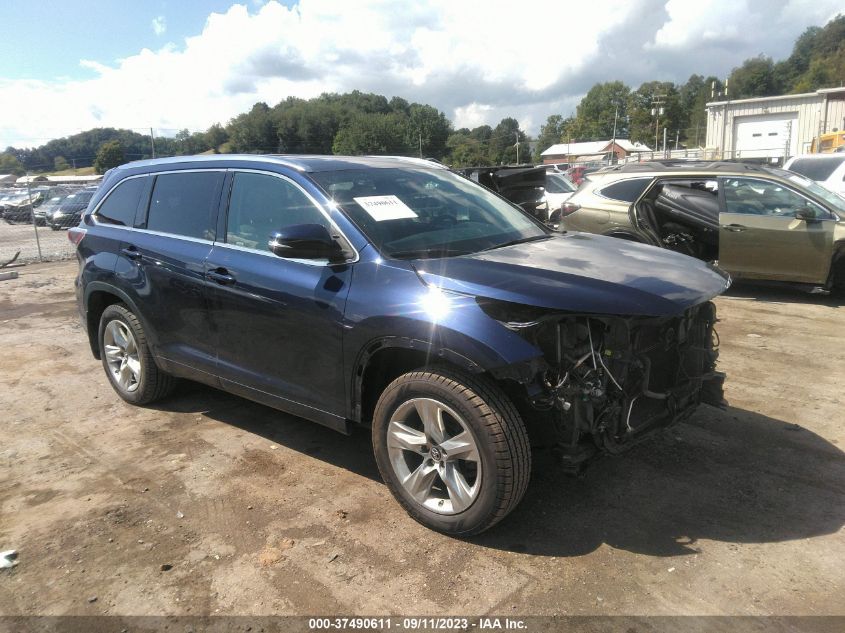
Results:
[772, 128]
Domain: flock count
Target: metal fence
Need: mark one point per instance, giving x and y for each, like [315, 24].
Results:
[34, 219]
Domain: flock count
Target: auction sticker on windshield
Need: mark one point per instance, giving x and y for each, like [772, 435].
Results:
[383, 208]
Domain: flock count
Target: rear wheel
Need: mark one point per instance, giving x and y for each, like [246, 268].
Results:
[126, 358]
[452, 449]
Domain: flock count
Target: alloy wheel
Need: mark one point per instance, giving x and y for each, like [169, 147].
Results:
[122, 358]
[434, 455]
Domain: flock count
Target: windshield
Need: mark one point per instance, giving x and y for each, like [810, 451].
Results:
[413, 212]
[557, 183]
[834, 201]
[816, 168]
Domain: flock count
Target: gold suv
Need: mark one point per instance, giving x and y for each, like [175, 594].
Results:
[757, 223]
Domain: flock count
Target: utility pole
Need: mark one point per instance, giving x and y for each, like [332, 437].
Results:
[664, 143]
[152, 142]
[613, 143]
[657, 111]
[420, 144]
[517, 147]
[677, 138]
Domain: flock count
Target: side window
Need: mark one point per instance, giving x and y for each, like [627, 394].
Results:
[183, 204]
[121, 204]
[750, 196]
[261, 205]
[625, 190]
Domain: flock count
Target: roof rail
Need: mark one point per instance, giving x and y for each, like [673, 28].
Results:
[677, 165]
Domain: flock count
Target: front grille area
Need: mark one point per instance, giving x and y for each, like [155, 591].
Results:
[612, 379]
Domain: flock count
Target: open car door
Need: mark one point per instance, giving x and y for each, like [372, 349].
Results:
[768, 231]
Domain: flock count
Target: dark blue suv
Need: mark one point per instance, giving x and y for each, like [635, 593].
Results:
[396, 294]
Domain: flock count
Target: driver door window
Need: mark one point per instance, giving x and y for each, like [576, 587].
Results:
[261, 205]
[749, 196]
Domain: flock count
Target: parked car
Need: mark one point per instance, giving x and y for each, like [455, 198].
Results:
[395, 294]
[579, 172]
[759, 223]
[825, 169]
[70, 209]
[558, 190]
[46, 210]
[524, 186]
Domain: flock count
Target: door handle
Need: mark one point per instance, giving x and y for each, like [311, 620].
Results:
[220, 276]
[734, 228]
[130, 252]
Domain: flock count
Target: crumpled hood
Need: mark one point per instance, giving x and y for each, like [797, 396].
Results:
[580, 272]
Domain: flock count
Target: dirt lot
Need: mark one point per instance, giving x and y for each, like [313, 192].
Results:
[736, 512]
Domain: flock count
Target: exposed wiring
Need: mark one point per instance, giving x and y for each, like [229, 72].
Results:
[628, 417]
[601, 360]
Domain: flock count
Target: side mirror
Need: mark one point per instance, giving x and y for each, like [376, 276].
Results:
[806, 213]
[305, 241]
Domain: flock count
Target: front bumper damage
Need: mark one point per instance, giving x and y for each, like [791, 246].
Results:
[609, 381]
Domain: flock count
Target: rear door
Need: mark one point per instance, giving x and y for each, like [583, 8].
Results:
[760, 236]
[161, 266]
[276, 322]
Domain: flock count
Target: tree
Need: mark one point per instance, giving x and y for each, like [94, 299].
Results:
[755, 78]
[503, 142]
[109, 155]
[215, 136]
[60, 163]
[9, 164]
[429, 127]
[371, 133]
[253, 131]
[465, 151]
[550, 133]
[603, 106]
[642, 122]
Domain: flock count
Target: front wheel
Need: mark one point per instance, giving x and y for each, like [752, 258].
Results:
[452, 449]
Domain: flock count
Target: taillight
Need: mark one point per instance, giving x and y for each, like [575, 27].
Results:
[75, 234]
[568, 208]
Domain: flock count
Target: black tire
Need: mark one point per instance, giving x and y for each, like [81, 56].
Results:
[499, 434]
[153, 384]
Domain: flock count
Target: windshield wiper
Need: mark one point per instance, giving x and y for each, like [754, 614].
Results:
[428, 252]
[521, 240]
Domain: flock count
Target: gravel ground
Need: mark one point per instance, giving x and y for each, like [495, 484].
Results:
[209, 504]
[21, 237]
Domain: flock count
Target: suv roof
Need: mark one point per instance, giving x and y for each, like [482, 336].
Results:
[306, 163]
[684, 165]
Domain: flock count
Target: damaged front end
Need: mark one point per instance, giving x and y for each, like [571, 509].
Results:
[610, 380]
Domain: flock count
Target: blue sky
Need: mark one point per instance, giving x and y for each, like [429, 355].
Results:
[46, 39]
[71, 65]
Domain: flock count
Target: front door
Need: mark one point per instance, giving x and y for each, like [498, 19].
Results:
[276, 322]
[762, 237]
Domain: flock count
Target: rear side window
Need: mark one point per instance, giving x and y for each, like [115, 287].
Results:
[261, 205]
[816, 168]
[184, 204]
[121, 204]
[625, 190]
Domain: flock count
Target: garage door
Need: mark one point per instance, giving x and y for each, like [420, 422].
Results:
[766, 135]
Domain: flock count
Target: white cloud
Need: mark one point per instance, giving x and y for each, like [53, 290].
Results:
[159, 25]
[476, 61]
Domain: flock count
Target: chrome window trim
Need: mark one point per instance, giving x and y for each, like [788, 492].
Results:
[312, 262]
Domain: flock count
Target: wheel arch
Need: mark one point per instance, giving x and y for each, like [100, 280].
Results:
[99, 296]
[384, 359]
